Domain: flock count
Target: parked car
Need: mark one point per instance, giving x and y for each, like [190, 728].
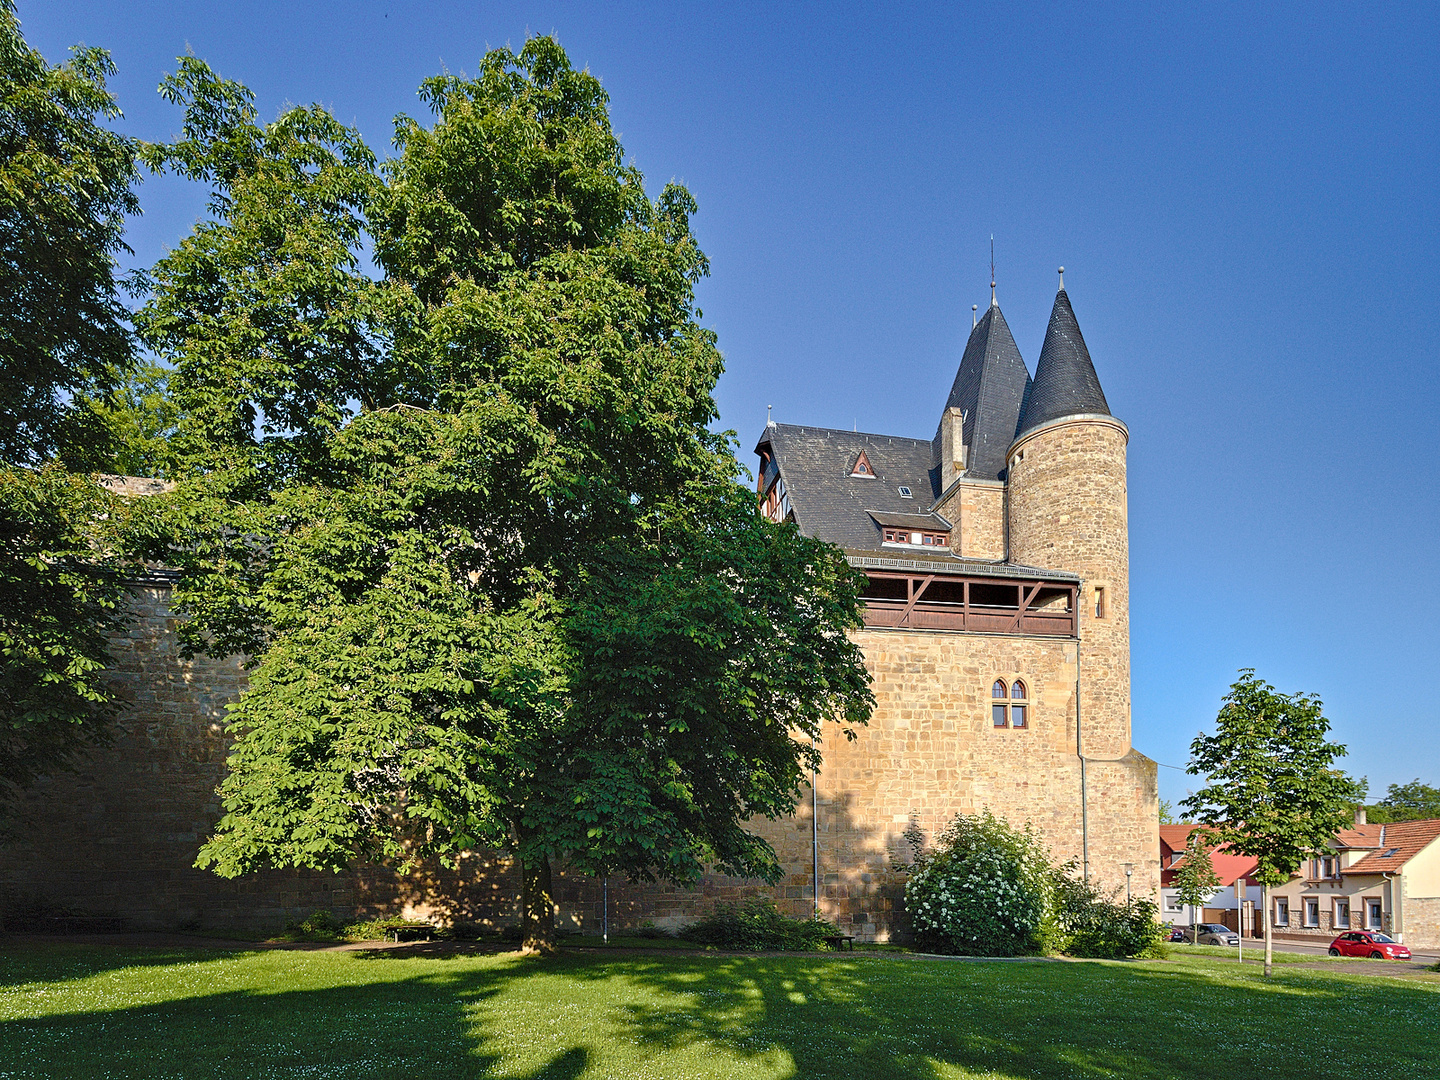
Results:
[1179, 933]
[1369, 943]
[1209, 933]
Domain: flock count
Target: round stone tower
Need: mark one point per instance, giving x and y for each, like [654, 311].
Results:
[1067, 511]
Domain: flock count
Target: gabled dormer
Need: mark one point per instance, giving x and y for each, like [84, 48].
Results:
[862, 467]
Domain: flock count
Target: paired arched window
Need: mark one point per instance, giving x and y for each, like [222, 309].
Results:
[1009, 704]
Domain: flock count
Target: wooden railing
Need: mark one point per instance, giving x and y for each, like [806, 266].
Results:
[917, 611]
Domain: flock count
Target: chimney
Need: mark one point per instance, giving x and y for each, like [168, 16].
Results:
[1359, 816]
[952, 446]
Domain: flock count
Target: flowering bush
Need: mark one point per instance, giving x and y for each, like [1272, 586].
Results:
[984, 891]
[989, 889]
[756, 924]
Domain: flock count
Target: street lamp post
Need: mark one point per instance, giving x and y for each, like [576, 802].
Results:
[1129, 869]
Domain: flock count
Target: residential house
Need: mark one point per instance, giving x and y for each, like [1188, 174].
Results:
[1224, 906]
[1371, 877]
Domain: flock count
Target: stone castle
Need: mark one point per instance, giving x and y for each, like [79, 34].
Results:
[996, 634]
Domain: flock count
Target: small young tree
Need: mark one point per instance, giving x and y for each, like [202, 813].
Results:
[1273, 792]
[1196, 880]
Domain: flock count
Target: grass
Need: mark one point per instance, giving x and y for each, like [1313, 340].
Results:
[97, 1011]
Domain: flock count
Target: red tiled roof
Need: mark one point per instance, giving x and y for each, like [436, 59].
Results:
[1406, 838]
[1361, 836]
[1228, 867]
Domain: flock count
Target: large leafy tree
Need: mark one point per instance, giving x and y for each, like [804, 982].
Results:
[1407, 802]
[66, 184]
[1272, 791]
[497, 580]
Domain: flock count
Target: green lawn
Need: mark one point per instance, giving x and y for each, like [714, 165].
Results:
[93, 1011]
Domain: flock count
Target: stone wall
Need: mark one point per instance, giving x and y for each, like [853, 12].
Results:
[119, 837]
[976, 509]
[1068, 512]
[1422, 922]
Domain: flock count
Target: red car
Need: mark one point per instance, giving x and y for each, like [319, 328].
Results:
[1371, 943]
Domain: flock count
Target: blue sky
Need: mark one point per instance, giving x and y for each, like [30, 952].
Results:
[1244, 197]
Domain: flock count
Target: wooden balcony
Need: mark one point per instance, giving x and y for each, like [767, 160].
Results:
[920, 601]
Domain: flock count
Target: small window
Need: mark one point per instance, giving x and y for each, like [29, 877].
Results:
[1342, 914]
[1312, 912]
[997, 715]
[1100, 602]
[905, 493]
[1282, 911]
[1010, 705]
[1327, 867]
[1017, 690]
[998, 690]
[863, 467]
[1373, 914]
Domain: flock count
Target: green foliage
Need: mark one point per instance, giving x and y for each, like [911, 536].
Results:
[1089, 923]
[61, 600]
[65, 188]
[1167, 816]
[1196, 880]
[757, 924]
[1272, 790]
[495, 576]
[141, 416]
[1406, 802]
[66, 184]
[984, 891]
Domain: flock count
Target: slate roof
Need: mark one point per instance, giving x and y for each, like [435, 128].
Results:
[831, 504]
[989, 386]
[1405, 838]
[1065, 382]
[893, 559]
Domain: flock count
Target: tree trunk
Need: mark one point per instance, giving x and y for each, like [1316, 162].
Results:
[537, 907]
[1266, 896]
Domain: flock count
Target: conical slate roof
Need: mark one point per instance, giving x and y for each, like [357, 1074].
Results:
[1065, 380]
[990, 386]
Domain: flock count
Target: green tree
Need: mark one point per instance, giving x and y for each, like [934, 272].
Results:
[1407, 802]
[1167, 813]
[1196, 880]
[66, 184]
[497, 581]
[1272, 791]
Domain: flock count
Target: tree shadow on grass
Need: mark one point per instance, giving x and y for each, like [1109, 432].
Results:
[680, 1016]
[926, 1019]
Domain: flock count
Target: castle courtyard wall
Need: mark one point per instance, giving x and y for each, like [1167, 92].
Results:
[120, 837]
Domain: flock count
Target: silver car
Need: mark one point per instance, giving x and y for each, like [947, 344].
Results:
[1214, 934]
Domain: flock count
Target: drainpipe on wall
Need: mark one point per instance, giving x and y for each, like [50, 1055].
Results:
[1080, 752]
[814, 838]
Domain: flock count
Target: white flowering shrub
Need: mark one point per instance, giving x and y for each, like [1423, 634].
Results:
[985, 889]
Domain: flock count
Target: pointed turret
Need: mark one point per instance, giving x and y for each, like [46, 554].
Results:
[988, 390]
[1065, 380]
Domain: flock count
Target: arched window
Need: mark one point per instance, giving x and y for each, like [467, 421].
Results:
[1009, 705]
[1019, 705]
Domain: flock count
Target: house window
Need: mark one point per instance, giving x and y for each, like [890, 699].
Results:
[1312, 912]
[1342, 914]
[863, 467]
[1009, 705]
[905, 493]
[1327, 867]
[1374, 915]
[1099, 601]
[1282, 911]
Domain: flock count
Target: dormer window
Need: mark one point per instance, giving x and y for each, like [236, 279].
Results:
[916, 539]
[863, 468]
[905, 493]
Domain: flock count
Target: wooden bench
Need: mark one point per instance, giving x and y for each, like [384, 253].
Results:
[841, 942]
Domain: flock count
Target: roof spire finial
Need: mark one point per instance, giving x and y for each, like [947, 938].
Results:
[768, 422]
[1062, 279]
[992, 271]
[973, 317]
